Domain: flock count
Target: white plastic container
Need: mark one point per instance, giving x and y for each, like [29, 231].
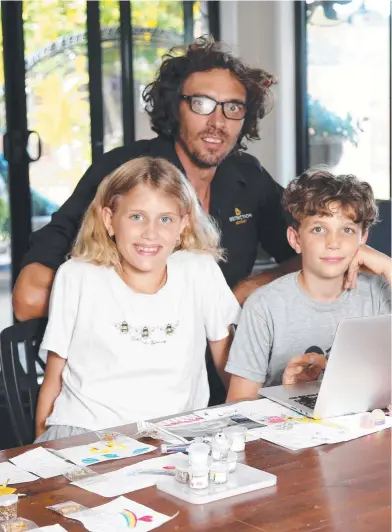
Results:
[220, 447]
[198, 454]
[198, 477]
[232, 461]
[182, 472]
[219, 472]
[237, 434]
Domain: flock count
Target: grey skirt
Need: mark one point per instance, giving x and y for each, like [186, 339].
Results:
[55, 432]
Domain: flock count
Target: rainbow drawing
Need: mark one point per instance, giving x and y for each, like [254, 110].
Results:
[132, 520]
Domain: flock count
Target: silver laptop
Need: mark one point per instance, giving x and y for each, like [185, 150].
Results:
[357, 377]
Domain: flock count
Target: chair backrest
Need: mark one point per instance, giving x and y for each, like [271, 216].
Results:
[380, 234]
[21, 366]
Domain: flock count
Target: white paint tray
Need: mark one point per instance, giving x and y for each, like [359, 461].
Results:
[242, 480]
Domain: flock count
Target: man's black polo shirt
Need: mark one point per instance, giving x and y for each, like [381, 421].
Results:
[245, 201]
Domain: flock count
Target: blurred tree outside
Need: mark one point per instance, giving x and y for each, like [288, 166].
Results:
[57, 81]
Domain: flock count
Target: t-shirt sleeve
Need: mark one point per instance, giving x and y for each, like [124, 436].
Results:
[252, 344]
[220, 306]
[63, 310]
[385, 297]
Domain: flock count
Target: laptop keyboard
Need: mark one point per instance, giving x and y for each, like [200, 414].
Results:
[306, 400]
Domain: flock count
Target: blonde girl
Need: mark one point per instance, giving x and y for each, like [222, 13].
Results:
[131, 312]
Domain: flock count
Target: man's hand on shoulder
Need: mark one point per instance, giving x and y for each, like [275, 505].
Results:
[246, 287]
[30, 298]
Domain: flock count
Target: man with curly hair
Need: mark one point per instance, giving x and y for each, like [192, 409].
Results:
[203, 106]
[286, 328]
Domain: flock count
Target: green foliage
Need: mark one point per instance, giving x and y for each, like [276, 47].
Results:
[4, 219]
[324, 123]
[57, 87]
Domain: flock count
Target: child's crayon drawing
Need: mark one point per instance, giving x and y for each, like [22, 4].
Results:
[102, 451]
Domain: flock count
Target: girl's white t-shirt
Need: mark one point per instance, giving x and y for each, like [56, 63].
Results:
[131, 356]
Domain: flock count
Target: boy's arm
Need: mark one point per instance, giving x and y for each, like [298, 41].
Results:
[50, 390]
[249, 354]
[247, 286]
[369, 260]
[300, 368]
[241, 389]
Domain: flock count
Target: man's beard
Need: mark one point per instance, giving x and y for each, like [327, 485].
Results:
[198, 159]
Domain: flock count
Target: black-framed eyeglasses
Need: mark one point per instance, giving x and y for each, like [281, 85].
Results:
[204, 105]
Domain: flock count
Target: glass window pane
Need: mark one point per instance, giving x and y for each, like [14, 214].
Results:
[5, 237]
[111, 74]
[57, 100]
[157, 25]
[349, 89]
[200, 18]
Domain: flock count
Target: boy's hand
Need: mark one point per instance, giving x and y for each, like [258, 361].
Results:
[369, 260]
[304, 368]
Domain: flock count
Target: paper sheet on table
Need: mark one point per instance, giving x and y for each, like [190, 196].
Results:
[294, 436]
[266, 412]
[352, 425]
[289, 429]
[42, 463]
[50, 528]
[120, 514]
[15, 474]
[207, 421]
[101, 451]
[199, 416]
[126, 479]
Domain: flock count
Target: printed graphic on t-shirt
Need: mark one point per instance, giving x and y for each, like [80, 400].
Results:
[318, 350]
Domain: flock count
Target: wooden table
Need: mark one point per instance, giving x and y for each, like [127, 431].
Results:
[344, 487]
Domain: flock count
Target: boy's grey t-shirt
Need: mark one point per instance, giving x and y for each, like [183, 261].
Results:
[279, 321]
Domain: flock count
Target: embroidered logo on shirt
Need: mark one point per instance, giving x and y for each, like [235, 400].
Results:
[240, 218]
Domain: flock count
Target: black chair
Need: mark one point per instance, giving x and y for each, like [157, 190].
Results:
[380, 234]
[21, 370]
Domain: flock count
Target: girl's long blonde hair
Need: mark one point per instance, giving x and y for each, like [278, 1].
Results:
[93, 243]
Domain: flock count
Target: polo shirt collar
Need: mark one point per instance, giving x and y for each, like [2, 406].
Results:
[225, 186]
[163, 147]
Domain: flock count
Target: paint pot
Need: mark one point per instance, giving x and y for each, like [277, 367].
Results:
[198, 477]
[198, 454]
[366, 421]
[232, 461]
[220, 447]
[219, 472]
[378, 417]
[182, 472]
[237, 434]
